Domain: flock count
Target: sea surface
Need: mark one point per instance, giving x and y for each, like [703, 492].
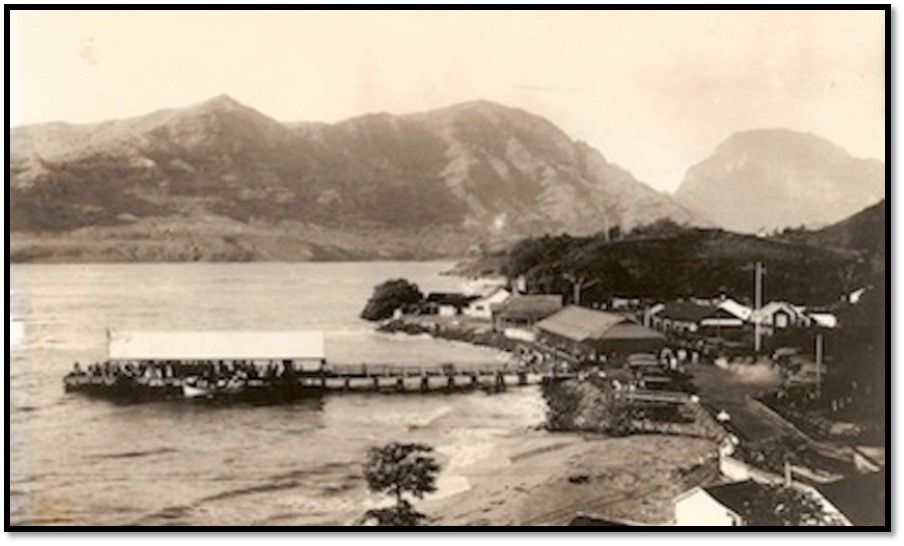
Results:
[74, 460]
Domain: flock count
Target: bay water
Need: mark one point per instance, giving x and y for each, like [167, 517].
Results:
[79, 461]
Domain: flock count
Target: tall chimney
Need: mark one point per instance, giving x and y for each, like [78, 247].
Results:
[787, 473]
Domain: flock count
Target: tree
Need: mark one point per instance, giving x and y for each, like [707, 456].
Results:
[780, 506]
[397, 469]
[389, 296]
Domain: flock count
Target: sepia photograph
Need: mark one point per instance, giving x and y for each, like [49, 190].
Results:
[298, 269]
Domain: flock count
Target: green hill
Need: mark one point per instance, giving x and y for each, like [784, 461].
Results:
[676, 262]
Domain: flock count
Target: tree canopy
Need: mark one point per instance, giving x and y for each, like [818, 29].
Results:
[779, 506]
[389, 296]
[398, 469]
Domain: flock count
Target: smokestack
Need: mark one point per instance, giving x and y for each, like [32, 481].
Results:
[787, 473]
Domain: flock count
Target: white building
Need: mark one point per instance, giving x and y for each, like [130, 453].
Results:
[706, 507]
[481, 307]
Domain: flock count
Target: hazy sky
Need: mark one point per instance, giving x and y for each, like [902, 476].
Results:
[654, 91]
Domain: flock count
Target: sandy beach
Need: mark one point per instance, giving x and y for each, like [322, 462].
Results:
[538, 478]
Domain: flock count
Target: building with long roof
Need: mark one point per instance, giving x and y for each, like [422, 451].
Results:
[596, 336]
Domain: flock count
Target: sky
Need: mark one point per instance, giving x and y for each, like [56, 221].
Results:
[654, 91]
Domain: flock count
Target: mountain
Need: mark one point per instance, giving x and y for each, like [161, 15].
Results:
[765, 180]
[221, 181]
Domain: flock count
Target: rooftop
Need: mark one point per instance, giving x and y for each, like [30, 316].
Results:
[529, 307]
[734, 495]
[580, 324]
[686, 311]
[215, 345]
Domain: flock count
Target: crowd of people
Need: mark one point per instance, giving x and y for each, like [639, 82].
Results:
[212, 371]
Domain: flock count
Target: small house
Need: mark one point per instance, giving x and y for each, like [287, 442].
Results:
[779, 315]
[446, 304]
[482, 307]
[715, 505]
[524, 311]
[724, 319]
[681, 316]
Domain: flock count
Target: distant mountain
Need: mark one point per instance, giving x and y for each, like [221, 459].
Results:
[772, 179]
[221, 181]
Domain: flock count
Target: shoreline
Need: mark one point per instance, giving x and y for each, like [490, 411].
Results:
[541, 478]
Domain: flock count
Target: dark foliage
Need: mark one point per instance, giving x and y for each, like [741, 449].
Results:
[778, 506]
[859, 367]
[398, 469]
[389, 296]
[667, 262]
[401, 515]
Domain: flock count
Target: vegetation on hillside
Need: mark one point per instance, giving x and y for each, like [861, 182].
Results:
[665, 261]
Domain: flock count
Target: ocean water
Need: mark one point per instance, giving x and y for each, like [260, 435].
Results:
[80, 461]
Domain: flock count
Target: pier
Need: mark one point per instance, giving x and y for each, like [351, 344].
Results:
[114, 383]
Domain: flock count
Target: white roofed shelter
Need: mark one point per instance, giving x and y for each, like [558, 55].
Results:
[215, 346]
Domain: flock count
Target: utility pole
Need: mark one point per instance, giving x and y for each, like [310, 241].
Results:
[578, 284]
[757, 303]
[818, 365]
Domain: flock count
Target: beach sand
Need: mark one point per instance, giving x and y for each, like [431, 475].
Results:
[526, 480]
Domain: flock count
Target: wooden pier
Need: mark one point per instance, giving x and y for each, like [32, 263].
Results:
[387, 378]
[333, 379]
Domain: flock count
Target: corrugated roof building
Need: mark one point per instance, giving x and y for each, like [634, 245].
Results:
[525, 311]
[592, 335]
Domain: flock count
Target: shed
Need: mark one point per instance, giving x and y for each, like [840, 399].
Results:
[298, 347]
[524, 311]
[593, 334]
[682, 316]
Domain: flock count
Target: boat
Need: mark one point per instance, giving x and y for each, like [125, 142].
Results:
[192, 387]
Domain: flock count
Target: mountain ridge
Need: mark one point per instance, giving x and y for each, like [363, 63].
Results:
[482, 171]
[770, 179]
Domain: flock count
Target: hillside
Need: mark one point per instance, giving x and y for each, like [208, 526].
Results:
[863, 232]
[678, 262]
[221, 181]
[765, 180]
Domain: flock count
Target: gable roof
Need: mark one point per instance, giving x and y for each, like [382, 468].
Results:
[739, 310]
[581, 324]
[734, 495]
[536, 306]
[449, 298]
[774, 307]
[498, 291]
[685, 311]
[215, 345]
